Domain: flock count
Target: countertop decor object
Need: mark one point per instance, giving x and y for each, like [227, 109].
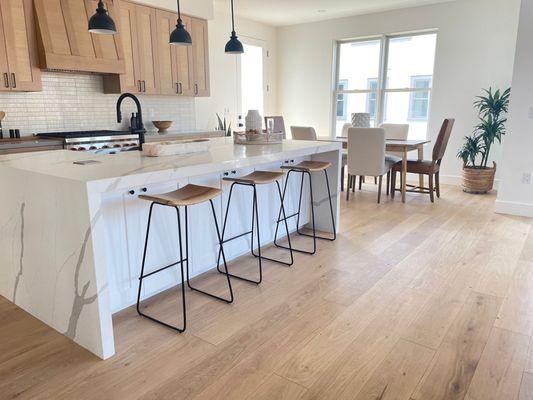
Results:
[162, 126]
[176, 147]
[254, 121]
[257, 138]
[2, 116]
[101, 23]
[180, 36]
[234, 46]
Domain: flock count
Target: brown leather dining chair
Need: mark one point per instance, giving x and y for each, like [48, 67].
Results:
[430, 168]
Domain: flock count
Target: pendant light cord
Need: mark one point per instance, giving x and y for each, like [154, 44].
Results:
[179, 12]
[232, 17]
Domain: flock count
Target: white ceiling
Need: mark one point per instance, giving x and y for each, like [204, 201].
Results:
[288, 12]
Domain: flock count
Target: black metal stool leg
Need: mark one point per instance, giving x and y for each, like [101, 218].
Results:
[143, 276]
[230, 300]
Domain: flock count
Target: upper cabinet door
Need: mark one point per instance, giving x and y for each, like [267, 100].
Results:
[184, 63]
[200, 57]
[168, 76]
[66, 43]
[20, 46]
[146, 36]
[4, 68]
[130, 81]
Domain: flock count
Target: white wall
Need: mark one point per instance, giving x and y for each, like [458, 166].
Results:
[223, 69]
[515, 197]
[475, 49]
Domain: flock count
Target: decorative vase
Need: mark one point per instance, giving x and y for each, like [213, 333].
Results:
[478, 180]
[254, 121]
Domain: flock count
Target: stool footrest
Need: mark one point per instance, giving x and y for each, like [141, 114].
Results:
[162, 269]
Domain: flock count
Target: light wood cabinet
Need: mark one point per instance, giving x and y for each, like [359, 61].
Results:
[137, 25]
[200, 57]
[66, 44]
[153, 66]
[18, 49]
[175, 62]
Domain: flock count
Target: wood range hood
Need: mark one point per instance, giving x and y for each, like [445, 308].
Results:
[65, 44]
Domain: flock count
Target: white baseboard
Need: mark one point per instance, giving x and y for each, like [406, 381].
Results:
[514, 208]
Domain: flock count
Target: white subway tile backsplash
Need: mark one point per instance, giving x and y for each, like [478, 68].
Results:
[77, 102]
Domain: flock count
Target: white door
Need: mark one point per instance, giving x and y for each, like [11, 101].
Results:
[251, 83]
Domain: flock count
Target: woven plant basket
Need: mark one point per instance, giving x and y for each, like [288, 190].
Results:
[478, 180]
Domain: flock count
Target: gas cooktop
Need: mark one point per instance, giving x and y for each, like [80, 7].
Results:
[83, 134]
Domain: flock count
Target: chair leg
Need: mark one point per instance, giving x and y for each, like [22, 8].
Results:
[388, 183]
[437, 183]
[349, 187]
[375, 180]
[361, 178]
[393, 185]
[431, 189]
[380, 185]
[230, 300]
[342, 179]
[143, 276]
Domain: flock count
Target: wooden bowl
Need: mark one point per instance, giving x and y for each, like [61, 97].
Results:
[162, 126]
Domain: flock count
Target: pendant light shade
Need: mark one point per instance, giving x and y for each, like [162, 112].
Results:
[180, 36]
[101, 23]
[234, 46]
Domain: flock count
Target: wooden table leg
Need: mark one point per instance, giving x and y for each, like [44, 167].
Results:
[421, 158]
[404, 175]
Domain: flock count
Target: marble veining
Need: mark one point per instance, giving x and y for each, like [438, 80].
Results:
[21, 260]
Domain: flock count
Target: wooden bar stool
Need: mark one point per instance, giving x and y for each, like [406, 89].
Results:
[185, 197]
[307, 168]
[252, 180]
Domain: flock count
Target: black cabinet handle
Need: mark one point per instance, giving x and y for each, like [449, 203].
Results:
[14, 80]
[144, 86]
[177, 88]
[226, 173]
[132, 192]
[6, 79]
[140, 86]
[144, 190]
[195, 88]
[181, 88]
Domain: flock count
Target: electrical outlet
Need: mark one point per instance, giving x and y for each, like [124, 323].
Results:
[526, 178]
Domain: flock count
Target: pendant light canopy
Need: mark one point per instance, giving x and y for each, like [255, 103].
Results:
[234, 46]
[180, 36]
[101, 23]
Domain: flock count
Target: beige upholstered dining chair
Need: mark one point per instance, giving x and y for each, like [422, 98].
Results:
[366, 157]
[303, 133]
[397, 132]
[279, 125]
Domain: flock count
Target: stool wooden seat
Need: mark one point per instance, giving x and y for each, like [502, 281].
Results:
[309, 166]
[186, 196]
[257, 178]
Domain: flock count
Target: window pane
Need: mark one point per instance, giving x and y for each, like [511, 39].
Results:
[410, 56]
[359, 62]
[354, 103]
[402, 107]
[252, 79]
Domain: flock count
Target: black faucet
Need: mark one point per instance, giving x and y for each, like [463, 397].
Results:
[138, 127]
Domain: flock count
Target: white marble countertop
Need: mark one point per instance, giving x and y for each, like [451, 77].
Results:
[223, 155]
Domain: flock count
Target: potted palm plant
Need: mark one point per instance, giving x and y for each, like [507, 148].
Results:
[478, 177]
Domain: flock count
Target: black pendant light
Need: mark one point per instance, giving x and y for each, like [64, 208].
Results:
[180, 36]
[234, 46]
[101, 23]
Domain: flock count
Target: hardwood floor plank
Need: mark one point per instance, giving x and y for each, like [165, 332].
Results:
[276, 387]
[526, 387]
[457, 358]
[499, 372]
[398, 375]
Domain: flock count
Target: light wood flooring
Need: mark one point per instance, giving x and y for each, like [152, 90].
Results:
[417, 301]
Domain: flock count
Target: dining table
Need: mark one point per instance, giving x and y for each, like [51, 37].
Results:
[397, 146]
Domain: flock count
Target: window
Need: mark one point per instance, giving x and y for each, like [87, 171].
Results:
[341, 101]
[372, 97]
[419, 101]
[389, 77]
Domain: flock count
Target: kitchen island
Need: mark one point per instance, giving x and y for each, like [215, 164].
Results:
[72, 227]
